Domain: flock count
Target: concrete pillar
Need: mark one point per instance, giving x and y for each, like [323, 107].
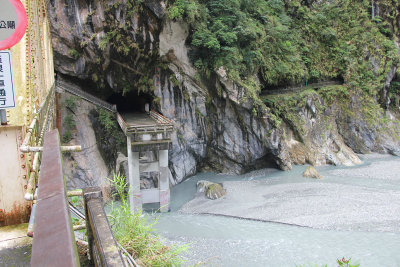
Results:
[135, 197]
[163, 183]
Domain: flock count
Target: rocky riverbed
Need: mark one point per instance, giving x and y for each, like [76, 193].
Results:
[283, 219]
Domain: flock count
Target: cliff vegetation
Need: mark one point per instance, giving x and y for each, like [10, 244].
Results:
[263, 44]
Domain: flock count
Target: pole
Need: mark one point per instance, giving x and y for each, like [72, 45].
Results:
[3, 115]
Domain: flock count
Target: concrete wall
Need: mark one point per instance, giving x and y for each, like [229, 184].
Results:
[14, 208]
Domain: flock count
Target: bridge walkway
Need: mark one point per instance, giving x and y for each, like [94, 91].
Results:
[15, 245]
[138, 119]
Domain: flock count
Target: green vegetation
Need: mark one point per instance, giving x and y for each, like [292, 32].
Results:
[134, 232]
[69, 123]
[341, 263]
[109, 123]
[346, 263]
[70, 103]
[120, 38]
[287, 42]
[332, 93]
[109, 136]
[73, 53]
[286, 106]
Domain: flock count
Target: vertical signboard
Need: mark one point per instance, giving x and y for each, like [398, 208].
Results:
[7, 94]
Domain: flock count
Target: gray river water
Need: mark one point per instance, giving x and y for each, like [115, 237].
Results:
[364, 225]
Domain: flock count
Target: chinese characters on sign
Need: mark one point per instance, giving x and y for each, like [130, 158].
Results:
[7, 24]
[7, 98]
[13, 23]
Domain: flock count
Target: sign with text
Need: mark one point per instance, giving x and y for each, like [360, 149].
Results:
[7, 95]
[13, 22]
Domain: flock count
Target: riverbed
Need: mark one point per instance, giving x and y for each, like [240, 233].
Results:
[276, 218]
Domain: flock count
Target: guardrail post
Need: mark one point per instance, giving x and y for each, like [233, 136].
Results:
[103, 248]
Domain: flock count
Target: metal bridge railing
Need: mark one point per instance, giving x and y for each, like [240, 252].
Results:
[88, 97]
[41, 122]
[32, 145]
[102, 246]
[53, 242]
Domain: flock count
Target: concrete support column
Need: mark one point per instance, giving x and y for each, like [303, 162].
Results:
[163, 183]
[135, 197]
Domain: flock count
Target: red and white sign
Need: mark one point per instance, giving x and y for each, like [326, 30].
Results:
[13, 22]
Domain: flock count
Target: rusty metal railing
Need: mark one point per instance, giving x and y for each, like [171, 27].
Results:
[54, 241]
[125, 254]
[34, 138]
[32, 145]
[102, 246]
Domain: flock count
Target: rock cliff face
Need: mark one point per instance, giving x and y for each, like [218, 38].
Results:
[217, 127]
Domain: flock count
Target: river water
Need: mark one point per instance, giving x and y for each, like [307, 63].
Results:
[360, 221]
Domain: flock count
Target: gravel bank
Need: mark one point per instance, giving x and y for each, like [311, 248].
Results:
[327, 204]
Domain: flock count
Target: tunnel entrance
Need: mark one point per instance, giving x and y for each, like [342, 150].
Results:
[131, 102]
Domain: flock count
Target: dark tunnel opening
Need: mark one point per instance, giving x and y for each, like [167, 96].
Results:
[131, 102]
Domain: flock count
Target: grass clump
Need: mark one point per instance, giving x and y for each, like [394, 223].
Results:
[346, 263]
[136, 233]
[343, 262]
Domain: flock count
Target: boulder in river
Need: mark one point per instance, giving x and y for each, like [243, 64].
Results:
[311, 172]
[202, 185]
[215, 191]
[212, 190]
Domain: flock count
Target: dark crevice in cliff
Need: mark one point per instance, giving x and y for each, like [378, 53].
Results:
[87, 85]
